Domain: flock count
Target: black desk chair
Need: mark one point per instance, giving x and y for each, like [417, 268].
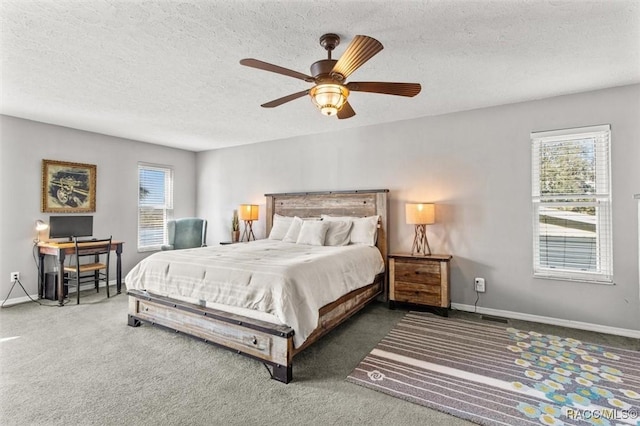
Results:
[99, 268]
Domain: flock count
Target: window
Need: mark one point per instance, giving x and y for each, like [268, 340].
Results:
[572, 204]
[155, 205]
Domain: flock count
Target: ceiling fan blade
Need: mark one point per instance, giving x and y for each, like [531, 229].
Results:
[360, 50]
[346, 111]
[399, 89]
[254, 63]
[284, 99]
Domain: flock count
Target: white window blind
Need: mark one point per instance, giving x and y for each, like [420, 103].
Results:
[155, 205]
[572, 204]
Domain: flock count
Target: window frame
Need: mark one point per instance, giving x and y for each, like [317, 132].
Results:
[600, 199]
[167, 207]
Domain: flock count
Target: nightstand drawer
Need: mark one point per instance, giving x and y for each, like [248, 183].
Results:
[418, 298]
[418, 272]
[413, 287]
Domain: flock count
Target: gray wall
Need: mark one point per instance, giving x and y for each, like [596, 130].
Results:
[23, 146]
[476, 166]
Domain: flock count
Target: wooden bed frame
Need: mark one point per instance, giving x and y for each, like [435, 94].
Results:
[266, 342]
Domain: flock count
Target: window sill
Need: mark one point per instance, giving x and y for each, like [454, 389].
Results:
[148, 249]
[544, 276]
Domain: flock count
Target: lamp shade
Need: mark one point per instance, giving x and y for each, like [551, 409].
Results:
[40, 225]
[248, 212]
[329, 98]
[420, 213]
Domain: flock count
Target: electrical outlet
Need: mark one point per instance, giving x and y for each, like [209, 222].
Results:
[480, 285]
[15, 276]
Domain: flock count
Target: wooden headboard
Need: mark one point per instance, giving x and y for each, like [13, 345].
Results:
[335, 203]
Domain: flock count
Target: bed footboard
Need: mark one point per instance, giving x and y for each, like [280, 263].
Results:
[266, 342]
[269, 343]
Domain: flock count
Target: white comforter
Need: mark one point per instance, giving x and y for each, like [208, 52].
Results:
[290, 281]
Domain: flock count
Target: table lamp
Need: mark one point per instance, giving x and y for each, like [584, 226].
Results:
[420, 215]
[248, 213]
[40, 226]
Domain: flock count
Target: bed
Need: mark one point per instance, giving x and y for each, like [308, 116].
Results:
[264, 327]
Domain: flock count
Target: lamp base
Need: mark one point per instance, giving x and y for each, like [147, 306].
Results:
[420, 243]
[248, 231]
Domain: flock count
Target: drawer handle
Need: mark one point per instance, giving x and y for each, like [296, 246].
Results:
[254, 340]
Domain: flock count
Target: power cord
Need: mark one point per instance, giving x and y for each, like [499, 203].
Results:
[35, 259]
[25, 292]
[269, 371]
[475, 305]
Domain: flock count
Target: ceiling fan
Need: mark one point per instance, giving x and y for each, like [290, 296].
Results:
[330, 91]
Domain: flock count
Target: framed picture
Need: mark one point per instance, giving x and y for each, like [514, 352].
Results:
[68, 187]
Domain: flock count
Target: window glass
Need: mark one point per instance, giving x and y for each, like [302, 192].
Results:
[155, 205]
[572, 204]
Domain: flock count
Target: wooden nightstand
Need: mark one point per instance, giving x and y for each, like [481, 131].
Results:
[420, 280]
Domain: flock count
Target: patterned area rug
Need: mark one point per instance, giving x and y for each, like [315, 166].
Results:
[494, 375]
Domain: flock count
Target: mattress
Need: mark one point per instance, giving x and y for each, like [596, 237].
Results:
[270, 280]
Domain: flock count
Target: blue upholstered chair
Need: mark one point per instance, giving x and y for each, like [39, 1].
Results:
[187, 232]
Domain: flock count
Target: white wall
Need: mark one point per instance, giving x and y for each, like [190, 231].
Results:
[476, 166]
[23, 146]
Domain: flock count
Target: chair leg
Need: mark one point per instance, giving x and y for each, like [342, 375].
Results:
[96, 280]
[78, 287]
[106, 283]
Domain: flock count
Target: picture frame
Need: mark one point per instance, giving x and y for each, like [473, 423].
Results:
[68, 187]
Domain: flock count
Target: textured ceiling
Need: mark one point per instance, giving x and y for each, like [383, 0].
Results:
[167, 72]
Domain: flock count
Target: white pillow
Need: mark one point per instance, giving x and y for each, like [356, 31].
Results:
[313, 233]
[364, 230]
[338, 233]
[294, 229]
[280, 226]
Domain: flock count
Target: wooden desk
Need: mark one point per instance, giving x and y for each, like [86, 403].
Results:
[60, 250]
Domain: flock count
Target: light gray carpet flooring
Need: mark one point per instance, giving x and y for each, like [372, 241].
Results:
[82, 365]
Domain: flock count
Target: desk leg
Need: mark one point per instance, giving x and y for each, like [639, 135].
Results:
[96, 275]
[61, 278]
[41, 275]
[118, 268]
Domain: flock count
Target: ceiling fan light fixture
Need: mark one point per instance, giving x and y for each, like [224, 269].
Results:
[331, 91]
[329, 97]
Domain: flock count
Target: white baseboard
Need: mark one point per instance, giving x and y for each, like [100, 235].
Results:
[549, 320]
[24, 299]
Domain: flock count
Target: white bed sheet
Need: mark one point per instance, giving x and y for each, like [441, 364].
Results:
[289, 282]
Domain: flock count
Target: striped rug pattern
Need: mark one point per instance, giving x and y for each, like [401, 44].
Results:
[494, 375]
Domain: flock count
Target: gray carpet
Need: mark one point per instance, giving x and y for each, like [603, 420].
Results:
[83, 365]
